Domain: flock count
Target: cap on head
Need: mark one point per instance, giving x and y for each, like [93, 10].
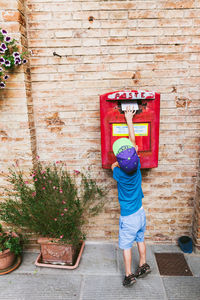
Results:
[126, 155]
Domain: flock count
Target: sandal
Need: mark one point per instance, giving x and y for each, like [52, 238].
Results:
[129, 280]
[142, 271]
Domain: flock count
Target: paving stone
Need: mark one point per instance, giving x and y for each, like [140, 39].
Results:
[182, 288]
[28, 266]
[99, 276]
[32, 287]
[28, 263]
[96, 259]
[135, 260]
[165, 248]
[194, 264]
[99, 259]
[111, 288]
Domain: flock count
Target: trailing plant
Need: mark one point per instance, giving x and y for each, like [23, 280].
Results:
[52, 202]
[9, 56]
[9, 240]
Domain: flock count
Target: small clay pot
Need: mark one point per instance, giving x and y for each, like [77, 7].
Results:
[6, 259]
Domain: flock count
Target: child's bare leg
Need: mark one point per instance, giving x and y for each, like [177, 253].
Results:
[127, 260]
[142, 252]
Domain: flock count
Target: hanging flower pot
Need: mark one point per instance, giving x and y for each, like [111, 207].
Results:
[10, 57]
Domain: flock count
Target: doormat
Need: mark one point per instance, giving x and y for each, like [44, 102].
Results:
[172, 264]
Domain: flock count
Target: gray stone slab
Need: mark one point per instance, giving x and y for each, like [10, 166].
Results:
[28, 263]
[150, 258]
[165, 248]
[193, 263]
[111, 288]
[96, 259]
[99, 276]
[182, 288]
[28, 266]
[32, 287]
[99, 259]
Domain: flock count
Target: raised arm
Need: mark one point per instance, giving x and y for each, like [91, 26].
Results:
[129, 116]
[115, 164]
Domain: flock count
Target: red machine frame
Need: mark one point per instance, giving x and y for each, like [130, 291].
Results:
[146, 122]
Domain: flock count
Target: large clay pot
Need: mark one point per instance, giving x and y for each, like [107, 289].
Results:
[55, 253]
[6, 259]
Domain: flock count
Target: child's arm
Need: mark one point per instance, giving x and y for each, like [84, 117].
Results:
[115, 164]
[129, 116]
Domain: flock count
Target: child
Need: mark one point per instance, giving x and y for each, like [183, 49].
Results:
[132, 222]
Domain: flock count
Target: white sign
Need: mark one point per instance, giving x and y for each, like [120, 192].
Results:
[123, 95]
[141, 129]
[131, 105]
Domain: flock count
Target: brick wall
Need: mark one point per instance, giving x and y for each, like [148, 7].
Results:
[196, 216]
[107, 46]
[22, 8]
[14, 109]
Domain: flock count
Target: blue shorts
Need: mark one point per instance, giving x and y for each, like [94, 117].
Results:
[132, 228]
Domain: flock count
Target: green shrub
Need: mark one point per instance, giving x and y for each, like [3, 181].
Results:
[52, 202]
[9, 240]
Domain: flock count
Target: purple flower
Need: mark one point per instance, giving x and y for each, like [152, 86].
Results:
[24, 61]
[1, 69]
[7, 63]
[15, 54]
[8, 39]
[2, 85]
[6, 77]
[3, 46]
[17, 61]
[1, 50]
[2, 60]
[3, 31]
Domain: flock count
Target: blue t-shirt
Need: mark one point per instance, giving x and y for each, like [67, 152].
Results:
[129, 190]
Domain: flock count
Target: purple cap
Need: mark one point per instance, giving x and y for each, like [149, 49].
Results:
[128, 160]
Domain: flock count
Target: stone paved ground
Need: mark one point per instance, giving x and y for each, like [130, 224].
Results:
[99, 276]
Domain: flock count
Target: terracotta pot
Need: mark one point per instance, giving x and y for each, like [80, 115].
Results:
[55, 253]
[6, 259]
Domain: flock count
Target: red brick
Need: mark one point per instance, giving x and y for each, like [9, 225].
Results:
[178, 4]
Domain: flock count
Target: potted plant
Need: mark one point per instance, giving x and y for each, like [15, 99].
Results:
[55, 204]
[10, 57]
[10, 247]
